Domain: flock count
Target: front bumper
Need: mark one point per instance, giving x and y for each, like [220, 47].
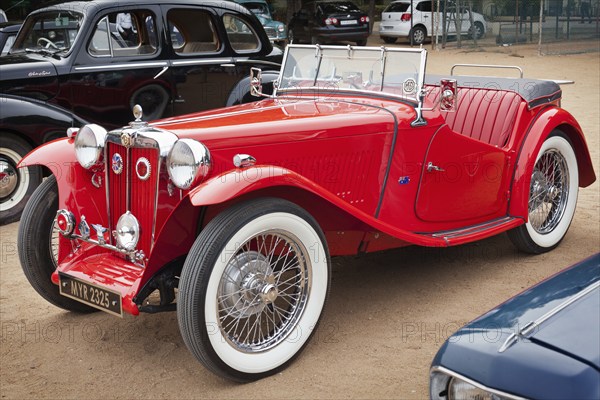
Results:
[105, 271]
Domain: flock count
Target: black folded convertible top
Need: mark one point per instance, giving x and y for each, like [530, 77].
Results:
[534, 91]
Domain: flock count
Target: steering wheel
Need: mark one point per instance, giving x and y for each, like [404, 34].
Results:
[44, 42]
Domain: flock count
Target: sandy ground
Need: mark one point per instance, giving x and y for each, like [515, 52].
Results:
[387, 316]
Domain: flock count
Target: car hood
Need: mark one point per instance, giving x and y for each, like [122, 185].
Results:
[560, 350]
[22, 66]
[282, 121]
[574, 330]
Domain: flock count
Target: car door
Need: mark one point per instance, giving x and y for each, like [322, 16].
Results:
[210, 50]
[462, 179]
[118, 66]
[423, 13]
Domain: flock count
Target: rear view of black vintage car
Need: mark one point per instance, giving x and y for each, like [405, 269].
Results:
[92, 61]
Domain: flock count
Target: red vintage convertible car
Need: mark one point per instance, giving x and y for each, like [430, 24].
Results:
[232, 215]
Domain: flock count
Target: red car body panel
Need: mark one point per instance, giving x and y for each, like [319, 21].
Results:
[354, 163]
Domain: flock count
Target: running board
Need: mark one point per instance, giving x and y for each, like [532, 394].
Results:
[476, 232]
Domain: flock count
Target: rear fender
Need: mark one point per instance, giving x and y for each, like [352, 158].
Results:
[547, 121]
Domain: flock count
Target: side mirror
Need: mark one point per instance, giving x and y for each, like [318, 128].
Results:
[448, 97]
[256, 82]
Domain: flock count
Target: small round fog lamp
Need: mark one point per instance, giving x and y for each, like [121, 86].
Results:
[65, 222]
[127, 232]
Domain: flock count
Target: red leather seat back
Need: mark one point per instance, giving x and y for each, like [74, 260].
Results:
[482, 114]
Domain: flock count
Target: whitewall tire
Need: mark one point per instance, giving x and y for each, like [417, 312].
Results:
[253, 288]
[552, 197]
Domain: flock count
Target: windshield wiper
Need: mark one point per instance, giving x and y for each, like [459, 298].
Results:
[47, 52]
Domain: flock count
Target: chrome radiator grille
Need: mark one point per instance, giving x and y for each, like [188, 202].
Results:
[128, 191]
[271, 32]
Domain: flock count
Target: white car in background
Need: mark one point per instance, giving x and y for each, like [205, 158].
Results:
[397, 16]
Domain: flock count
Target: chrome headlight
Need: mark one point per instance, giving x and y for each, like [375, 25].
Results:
[446, 385]
[459, 389]
[89, 143]
[188, 162]
[281, 28]
[127, 232]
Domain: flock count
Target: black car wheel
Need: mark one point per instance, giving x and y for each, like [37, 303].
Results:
[389, 40]
[478, 29]
[552, 197]
[153, 99]
[418, 35]
[253, 287]
[361, 42]
[38, 245]
[16, 184]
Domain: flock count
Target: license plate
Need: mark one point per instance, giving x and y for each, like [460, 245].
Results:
[91, 295]
[349, 22]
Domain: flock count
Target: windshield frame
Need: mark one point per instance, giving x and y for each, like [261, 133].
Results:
[32, 20]
[415, 100]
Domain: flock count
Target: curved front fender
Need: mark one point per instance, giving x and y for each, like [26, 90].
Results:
[56, 156]
[549, 120]
[72, 179]
[232, 184]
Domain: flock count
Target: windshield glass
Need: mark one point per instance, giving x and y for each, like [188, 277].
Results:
[338, 7]
[260, 9]
[394, 71]
[51, 31]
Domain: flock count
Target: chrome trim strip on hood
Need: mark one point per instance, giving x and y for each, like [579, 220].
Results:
[528, 330]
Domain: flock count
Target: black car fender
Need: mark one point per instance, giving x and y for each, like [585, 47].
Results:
[35, 121]
[240, 93]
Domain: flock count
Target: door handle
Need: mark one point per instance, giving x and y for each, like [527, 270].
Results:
[431, 168]
[162, 71]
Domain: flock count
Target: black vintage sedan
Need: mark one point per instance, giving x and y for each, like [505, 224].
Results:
[92, 61]
[8, 32]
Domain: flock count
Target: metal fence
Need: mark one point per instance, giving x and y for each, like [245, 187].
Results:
[555, 26]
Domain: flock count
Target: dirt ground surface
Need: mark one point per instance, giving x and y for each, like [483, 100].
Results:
[387, 316]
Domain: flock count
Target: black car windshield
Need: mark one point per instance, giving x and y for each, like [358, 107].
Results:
[258, 9]
[339, 7]
[48, 32]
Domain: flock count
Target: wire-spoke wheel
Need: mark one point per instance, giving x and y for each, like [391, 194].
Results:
[252, 288]
[552, 197]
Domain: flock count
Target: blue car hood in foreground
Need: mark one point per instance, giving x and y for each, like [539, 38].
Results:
[557, 358]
